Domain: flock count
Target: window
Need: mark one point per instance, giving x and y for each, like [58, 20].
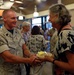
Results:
[1, 25]
[48, 24]
[36, 21]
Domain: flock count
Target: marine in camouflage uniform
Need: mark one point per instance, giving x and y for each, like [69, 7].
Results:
[14, 46]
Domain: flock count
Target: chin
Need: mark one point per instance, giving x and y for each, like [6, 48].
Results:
[14, 26]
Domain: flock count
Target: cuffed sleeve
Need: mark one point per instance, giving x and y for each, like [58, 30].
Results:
[3, 48]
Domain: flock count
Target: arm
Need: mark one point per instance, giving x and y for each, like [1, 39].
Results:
[8, 57]
[26, 51]
[69, 66]
[28, 54]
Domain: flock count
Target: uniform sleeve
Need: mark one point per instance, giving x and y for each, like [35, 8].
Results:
[3, 45]
[21, 42]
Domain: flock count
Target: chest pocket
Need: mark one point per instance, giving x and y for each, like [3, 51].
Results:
[15, 45]
[13, 41]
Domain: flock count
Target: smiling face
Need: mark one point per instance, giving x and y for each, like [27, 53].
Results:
[10, 20]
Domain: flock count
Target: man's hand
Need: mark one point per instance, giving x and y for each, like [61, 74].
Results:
[36, 61]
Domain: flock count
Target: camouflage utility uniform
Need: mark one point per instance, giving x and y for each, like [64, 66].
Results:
[13, 43]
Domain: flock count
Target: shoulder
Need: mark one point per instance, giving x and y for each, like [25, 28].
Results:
[37, 36]
[67, 32]
[1, 32]
[40, 36]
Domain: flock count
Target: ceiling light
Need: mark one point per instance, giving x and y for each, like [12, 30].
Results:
[59, 2]
[11, 0]
[35, 14]
[18, 2]
[21, 8]
[40, 0]
[20, 17]
[6, 5]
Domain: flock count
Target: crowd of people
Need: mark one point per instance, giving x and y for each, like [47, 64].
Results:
[18, 48]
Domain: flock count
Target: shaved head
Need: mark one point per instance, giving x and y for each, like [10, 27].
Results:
[6, 11]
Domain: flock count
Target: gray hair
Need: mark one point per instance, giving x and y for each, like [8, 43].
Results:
[64, 16]
[25, 23]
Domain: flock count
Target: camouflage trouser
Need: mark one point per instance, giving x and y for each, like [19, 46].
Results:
[12, 70]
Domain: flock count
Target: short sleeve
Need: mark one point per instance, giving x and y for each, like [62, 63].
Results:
[66, 41]
[3, 45]
[21, 42]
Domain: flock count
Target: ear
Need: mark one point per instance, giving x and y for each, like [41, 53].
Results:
[4, 18]
[56, 18]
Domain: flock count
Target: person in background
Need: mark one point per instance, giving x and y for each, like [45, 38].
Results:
[26, 30]
[36, 43]
[41, 31]
[47, 38]
[64, 51]
[26, 33]
[51, 32]
[53, 41]
[46, 34]
[12, 46]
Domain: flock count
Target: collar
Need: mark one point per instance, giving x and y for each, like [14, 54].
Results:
[7, 33]
[68, 27]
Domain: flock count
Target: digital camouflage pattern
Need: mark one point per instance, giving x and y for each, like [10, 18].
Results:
[13, 43]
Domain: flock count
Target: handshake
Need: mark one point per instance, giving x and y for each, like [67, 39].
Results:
[42, 56]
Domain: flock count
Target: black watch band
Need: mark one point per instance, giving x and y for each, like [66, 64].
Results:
[53, 61]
